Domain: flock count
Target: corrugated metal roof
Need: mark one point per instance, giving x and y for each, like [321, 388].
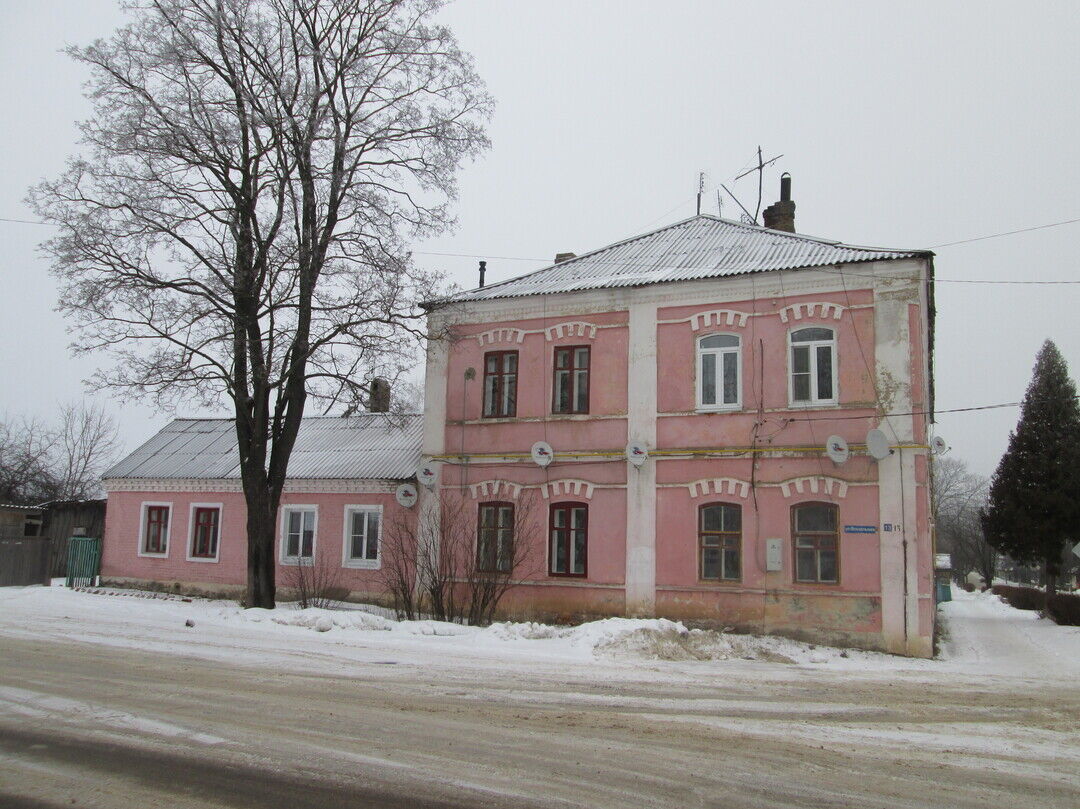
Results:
[368, 446]
[700, 247]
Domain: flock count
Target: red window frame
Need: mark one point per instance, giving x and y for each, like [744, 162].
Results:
[204, 532]
[572, 369]
[500, 380]
[815, 542]
[564, 536]
[721, 540]
[157, 517]
[503, 557]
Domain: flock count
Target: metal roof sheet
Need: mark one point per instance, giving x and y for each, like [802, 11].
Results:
[363, 446]
[699, 247]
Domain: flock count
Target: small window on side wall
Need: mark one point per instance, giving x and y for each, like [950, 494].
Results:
[720, 541]
[817, 543]
[500, 384]
[298, 535]
[813, 366]
[718, 364]
[570, 388]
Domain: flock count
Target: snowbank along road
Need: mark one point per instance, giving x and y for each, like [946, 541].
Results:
[111, 701]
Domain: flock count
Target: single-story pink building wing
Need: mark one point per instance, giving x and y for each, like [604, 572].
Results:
[177, 513]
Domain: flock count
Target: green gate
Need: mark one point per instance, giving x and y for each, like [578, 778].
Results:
[84, 561]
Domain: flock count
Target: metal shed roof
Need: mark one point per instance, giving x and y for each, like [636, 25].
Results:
[699, 247]
[364, 446]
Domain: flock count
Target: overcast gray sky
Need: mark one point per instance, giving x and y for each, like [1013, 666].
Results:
[903, 125]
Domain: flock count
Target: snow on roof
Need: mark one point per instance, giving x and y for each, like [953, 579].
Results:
[702, 246]
[363, 446]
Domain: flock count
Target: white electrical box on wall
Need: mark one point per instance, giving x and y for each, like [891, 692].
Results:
[774, 554]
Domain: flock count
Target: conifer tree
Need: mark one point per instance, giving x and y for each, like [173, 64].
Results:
[1034, 505]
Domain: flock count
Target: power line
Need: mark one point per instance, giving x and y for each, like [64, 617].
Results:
[1018, 282]
[1006, 233]
[827, 417]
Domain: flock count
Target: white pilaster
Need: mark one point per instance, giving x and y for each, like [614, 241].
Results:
[641, 481]
[896, 474]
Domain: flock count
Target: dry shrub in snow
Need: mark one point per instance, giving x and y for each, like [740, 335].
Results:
[315, 583]
[1064, 609]
[1021, 598]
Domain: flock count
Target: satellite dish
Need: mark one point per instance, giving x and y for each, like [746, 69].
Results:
[637, 453]
[938, 446]
[877, 445]
[427, 474]
[837, 449]
[406, 495]
[542, 454]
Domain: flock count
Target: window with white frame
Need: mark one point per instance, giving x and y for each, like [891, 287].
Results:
[205, 528]
[718, 383]
[813, 366]
[362, 530]
[298, 534]
[154, 530]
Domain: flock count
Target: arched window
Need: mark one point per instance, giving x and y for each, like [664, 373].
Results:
[817, 542]
[720, 541]
[718, 362]
[813, 366]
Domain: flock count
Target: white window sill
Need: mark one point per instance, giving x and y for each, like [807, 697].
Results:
[149, 555]
[205, 559]
[294, 561]
[833, 405]
[735, 408]
[363, 564]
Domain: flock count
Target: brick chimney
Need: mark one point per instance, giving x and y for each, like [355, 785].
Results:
[561, 257]
[379, 395]
[781, 215]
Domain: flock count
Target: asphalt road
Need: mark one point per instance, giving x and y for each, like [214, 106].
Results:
[87, 725]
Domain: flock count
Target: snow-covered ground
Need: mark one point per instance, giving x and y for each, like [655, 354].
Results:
[612, 713]
[984, 636]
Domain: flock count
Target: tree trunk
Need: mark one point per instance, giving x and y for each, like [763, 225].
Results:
[261, 568]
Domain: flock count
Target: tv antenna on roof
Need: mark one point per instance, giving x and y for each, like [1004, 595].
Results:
[747, 218]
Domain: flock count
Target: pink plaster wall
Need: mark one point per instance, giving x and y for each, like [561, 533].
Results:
[120, 547]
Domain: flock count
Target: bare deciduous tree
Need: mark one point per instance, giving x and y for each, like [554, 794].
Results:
[26, 475]
[436, 562]
[86, 443]
[237, 232]
[41, 461]
[958, 495]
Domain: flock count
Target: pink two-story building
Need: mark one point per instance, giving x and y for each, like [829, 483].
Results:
[659, 423]
[686, 382]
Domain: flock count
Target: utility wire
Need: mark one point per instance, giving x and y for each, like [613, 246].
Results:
[652, 265]
[937, 412]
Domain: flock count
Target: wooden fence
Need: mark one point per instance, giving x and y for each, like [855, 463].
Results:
[24, 560]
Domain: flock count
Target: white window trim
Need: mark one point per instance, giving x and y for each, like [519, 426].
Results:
[346, 538]
[812, 345]
[298, 560]
[142, 529]
[698, 352]
[191, 532]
